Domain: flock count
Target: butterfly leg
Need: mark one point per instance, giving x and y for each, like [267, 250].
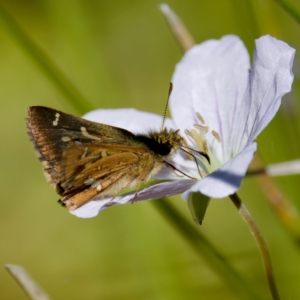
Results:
[136, 193]
[174, 169]
[143, 178]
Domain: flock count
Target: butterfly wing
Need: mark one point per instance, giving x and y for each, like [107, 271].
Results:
[52, 132]
[101, 170]
[83, 159]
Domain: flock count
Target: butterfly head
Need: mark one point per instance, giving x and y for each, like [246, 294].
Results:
[166, 141]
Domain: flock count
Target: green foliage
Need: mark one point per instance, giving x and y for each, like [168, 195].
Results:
[121, 54]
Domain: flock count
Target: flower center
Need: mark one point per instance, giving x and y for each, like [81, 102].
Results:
[201, 140]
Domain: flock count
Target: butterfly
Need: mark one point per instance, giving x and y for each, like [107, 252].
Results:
[84, 159]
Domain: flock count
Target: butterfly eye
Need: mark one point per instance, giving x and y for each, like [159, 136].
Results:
[164, 149]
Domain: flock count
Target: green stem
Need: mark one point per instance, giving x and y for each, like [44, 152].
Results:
[206, 250]
[265, 255]
[27, 283]
[63, 84]
[182, 36]
[291, 7]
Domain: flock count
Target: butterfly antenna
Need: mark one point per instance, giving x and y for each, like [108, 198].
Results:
[166, 108]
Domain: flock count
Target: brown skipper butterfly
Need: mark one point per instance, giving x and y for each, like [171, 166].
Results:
[84, 159]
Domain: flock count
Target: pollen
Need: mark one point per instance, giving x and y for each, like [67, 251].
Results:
[103, 153]
[205, 146]
[201, 119]
[202, 128]
[202, 136]
[216, 135]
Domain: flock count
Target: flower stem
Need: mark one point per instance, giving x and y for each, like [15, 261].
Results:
[182, 36]
[27, 283]
[284, 209]
[203, 247]
[265, 255]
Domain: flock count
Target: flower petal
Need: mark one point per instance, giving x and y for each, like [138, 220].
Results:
[226, 180]
[165, 189]
[129, 118]
[211, 79]
[271, 77]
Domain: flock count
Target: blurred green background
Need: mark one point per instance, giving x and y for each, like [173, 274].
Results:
[121, 54]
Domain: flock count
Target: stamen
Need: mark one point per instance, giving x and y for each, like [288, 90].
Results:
[185, 144]
[205, 146]
[200, 118]
[188, 133]
[216, 135]
[204, 129]
[197, 138]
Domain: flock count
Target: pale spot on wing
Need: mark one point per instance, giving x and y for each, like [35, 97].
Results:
[89, 181]
[66, 139]
[55, 122]
[84, 152]
[38, 154]
[46, 164]
[48, 177]
[90, 136]
[99, 187]
[103, 153]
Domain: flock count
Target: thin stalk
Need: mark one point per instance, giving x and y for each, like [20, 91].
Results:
[265, 255]
[203, 247]
[27, 283]
[286, 168]
[286, 212]
[182, 36]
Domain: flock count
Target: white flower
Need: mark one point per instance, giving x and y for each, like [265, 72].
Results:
[220, 104]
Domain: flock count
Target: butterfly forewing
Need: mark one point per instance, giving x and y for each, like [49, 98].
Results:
[83, 159]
